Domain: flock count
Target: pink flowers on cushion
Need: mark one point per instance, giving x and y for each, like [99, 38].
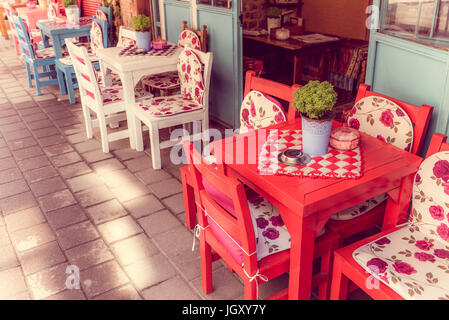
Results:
[262, 223]
[377, 265]
[441, 170]
[437, 212]
[387, 118]
[422, 256]
[424, 245]
[383, 241]
[404, 268]
[354, 123]
[277, 221]
[441, 253]
[271, 233]
[443, 231]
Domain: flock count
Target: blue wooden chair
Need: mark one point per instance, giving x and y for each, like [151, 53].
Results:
[64, 66]
[35, 59]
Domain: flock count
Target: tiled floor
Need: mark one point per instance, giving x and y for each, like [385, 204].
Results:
[66, 203]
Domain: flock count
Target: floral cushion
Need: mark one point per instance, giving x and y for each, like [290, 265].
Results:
[68, 61]
[164, 80]
[96, 37]
[189, 39]
[115, 94]
[52, 12]
[169, 105]
[270, 231]
[383, 119]
[259, 111]
[414, 260]
[360, 208]
[115, 79]
[45, 53]
[100, 15]
[125, 42]
[191, 76]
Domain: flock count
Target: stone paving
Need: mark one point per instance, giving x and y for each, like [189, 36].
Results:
[66, 203]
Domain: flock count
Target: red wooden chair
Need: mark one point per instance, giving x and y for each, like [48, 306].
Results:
[228, 226]
[252, 83]
[351, 224]
[411, 261]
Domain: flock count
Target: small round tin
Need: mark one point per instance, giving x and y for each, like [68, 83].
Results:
[293, 157]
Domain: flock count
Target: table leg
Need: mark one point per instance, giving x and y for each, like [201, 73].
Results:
[130, 100]
[57, 45]
[302, 231]
[396, 211]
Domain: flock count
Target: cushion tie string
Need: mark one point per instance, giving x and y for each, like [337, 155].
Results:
[218, 225]
[254, 277]
[196, 234]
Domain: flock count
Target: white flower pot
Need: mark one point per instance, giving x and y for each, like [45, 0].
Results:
[73, 15]
[273, 23]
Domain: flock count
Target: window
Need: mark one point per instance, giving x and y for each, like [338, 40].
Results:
[421, 20]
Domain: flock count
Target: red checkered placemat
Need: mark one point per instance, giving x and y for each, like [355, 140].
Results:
[334, 164]
[132, 50]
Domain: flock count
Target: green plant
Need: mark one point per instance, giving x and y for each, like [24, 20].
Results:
[273, 12]
[66, 3]
[141, 23]
[315, 100]
[107, 3]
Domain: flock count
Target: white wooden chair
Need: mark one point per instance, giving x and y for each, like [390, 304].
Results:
[106, 102]
[126, 37]
[194, 68]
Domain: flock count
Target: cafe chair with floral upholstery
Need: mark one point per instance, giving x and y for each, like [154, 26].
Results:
[168, 82]
[191, 105]
[410, 261]
[247, 232]
[394, 122]
[106, 102]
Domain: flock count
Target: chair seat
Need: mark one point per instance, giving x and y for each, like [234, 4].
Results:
[115, 79]
[45, 53]
[169, 105]
[115, 94]
[360, 209]
[165, 80]
[68, 61]
[412, 263]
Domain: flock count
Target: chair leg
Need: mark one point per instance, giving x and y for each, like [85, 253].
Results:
[88, 121]
[61, 81]
[189, 199]
[70, 89]
[250, 289]
[29, 75]
[339, 287]
[206, 266]
[155, 148]
[36, 80]
[103, 132]
[137, 127]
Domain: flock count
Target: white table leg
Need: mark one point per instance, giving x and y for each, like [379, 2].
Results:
[130, 100]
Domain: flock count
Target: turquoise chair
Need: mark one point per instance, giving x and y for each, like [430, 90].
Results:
[34, 59]
[65, 72]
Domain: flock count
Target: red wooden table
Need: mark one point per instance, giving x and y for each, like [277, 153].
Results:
[306, 204]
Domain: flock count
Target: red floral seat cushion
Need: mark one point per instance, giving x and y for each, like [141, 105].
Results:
[414, 260]
[115, 94]
[45, 53]
[189, 39]
[190, 71]
[166, 80]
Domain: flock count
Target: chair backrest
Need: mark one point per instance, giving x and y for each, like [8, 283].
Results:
[196, 39]
[126, 37]
[430, 199]
[85, 74]
[194, 70]
[107, 12]
[23, 37]
[419, 116]
[98, 34]
[260, 107]
[52, 11]
[238, 225]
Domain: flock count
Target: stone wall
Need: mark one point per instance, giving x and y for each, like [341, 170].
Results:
[255, 14]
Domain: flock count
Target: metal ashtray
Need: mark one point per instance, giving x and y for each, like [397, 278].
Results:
[294, 157]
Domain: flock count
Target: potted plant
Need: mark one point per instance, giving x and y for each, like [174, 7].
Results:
[72, 12]
[273, 18]
[315, 101]
[142, 25]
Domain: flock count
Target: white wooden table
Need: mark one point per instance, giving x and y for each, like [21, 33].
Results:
[131, 69]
